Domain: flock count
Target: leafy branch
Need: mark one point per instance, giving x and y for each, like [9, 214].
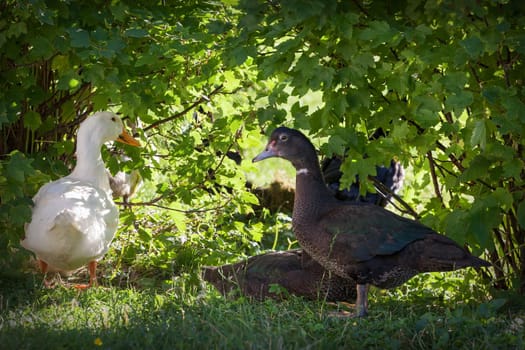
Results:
[202, 99]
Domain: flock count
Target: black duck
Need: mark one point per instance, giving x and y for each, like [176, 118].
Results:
[362, 242]
[293, 270]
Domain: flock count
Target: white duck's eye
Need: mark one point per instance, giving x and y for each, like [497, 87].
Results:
[113, 119]
[283, 137]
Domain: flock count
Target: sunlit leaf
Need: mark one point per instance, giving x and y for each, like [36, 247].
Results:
[479, 135]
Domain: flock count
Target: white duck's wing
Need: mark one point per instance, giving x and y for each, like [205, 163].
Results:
[73, 222]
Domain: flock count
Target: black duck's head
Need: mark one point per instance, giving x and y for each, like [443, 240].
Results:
[288, 144]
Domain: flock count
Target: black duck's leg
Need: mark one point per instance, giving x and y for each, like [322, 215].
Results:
[361, 304]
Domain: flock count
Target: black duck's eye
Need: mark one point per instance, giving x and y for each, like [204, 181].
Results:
[283, 137]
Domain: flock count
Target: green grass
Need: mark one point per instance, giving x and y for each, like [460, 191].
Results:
[197, 318]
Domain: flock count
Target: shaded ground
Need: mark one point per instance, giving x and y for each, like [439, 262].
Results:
[124, 318]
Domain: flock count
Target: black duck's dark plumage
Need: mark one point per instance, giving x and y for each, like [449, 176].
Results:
[362, 242]
[293, 270]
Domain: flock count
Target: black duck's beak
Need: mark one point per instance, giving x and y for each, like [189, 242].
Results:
[269, 152]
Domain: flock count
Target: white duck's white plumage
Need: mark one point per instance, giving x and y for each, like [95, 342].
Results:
[74, 218]
[125, 185]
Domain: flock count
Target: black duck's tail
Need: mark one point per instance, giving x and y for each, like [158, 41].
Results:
[210, 273]
[439, 253]
[477, 262]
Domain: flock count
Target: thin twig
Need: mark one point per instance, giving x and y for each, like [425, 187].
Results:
[190, 107]
[152, 203]
[434, 177]
[384, 189]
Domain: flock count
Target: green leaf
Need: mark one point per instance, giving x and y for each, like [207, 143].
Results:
[249, 198]
[521, 214]
[178, 218]
[119, 10]
[94, 74]
[145, 234]
[60, 63]
[473, 46]
[400, 131]
[492, 93]
[16, 29]
[64, 147]
[454, 81]
[46, 16]
[145, 60]
[477, 168]
[459, 101]
[379, 32]
[499, 198]
[100, 101]
[454, 225]
[68, 80]
[513, 168]
[427, 103]
[32, 120]
[41, 48]
[116, 44]
[20, 214]
[335, 145]
[79, 38]
[136, 33]
[18, 167]
[481, 224]
[479, 135]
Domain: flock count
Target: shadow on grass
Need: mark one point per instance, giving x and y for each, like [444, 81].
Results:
[116, 318]
[184, 316]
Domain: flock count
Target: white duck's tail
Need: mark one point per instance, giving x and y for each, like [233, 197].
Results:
[65, 224]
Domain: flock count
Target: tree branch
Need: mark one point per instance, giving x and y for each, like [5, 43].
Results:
[434, 177]
[384, 189]
[152, 203]
[204, 98]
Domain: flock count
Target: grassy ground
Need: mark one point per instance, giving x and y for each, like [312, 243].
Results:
[197, 318]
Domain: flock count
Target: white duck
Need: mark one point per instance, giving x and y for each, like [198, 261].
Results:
[125, 185]
[74, 218]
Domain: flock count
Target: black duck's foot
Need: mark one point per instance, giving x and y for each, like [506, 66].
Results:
[345, 314]
[340, 314]
[345, 311]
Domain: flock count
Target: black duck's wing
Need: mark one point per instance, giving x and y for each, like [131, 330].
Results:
[272, 266]
[359, 232]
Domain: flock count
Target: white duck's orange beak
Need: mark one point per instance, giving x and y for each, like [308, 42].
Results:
[126, 138]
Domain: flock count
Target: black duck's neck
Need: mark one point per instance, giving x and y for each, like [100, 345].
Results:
[311, 193]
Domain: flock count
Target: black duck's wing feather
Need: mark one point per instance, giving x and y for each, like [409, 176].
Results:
[272, 266]
[360, 232]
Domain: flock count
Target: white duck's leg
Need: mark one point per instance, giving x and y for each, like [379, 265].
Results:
[92, 273]
[92, 268]
[43, 268]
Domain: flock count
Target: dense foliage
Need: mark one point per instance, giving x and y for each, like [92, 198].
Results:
[198, 81]
[159, 65]
[442, 80]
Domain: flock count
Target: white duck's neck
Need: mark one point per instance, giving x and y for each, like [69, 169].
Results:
[90, 166]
